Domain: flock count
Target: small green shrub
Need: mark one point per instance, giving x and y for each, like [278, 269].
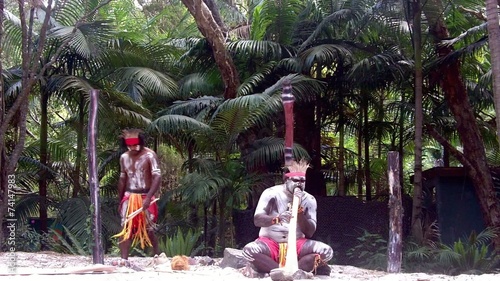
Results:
[470, 256]
[370, 253]
[71, 245]
[180, 243]
[30, 240]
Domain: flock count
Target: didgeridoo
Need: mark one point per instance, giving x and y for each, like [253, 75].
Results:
[291, 261]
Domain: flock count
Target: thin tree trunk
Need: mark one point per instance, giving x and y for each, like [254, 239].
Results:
[222, 223]
[494, 44]
[416, 219]
[214, 34]
[308, 134]
[341, 189]
[44, 161]
[366, 138]
[341, 161]
[79, 146]
[360, 159]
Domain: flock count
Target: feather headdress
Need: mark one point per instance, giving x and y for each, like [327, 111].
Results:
[131, 133]
[297, 168]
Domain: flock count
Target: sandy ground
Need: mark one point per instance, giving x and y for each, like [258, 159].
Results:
[55, 266]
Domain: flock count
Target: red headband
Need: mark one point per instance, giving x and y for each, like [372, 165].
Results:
[132, 141]
[295, 174]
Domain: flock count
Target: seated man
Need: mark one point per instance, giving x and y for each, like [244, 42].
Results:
[273, 215]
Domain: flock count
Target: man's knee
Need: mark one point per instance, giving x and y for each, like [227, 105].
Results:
[249, 250]
[328, 254]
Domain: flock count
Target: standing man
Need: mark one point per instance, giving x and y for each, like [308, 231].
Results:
[140, 179]
[273, 215]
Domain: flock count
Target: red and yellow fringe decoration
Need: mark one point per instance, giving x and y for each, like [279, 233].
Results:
[282, 254]
[137, 226]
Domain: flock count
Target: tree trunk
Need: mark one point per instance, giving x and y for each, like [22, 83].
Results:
[450, 79]
[360, 171]
[416, 218]
[366, 138]
[308, 134]
[44, 159]
[341, 160]
[494, 44]
[214, 34]
[76, 174]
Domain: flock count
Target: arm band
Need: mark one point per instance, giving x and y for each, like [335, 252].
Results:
[275, 220]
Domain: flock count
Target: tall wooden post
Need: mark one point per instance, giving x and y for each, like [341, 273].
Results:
[97, 248]
[395, 244]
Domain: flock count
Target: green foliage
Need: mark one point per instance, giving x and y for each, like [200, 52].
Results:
[371, 252]
[420, 258]
[30, 239]
[471, 256]
[70, 245]
[180, 243]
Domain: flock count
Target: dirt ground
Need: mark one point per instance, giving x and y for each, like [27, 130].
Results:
[56, 266]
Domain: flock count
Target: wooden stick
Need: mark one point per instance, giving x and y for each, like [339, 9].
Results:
[97, 248]
[138, 211]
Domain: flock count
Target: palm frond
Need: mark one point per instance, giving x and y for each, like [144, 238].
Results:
[196, 85]
[201, 165]
[140, 81]
[339, 15]
[258, 79]
[267, 50]
[269, 151]
[60, 83]
[27, 207]
[276, 20]
[199, 188]
[74, 215]
[88, 40]
[172, 124]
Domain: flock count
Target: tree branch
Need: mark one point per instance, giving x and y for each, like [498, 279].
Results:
[477, 14]
[215, 37]
[431, 131]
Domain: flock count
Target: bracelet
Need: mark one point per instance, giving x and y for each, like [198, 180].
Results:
[275, 220]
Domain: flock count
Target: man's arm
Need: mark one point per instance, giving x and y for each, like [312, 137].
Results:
[263, 216]
[306, 219]
[122, 180]
[155, 179]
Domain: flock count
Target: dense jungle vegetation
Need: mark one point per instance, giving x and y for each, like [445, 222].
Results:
[203, 79]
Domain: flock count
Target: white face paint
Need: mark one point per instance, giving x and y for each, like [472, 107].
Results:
[134, 147]
[294, 182]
